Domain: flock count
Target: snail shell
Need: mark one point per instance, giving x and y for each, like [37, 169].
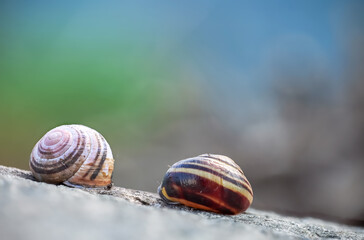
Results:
[209, 182]
[74, 155]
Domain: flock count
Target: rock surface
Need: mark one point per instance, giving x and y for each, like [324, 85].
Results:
[34, 210]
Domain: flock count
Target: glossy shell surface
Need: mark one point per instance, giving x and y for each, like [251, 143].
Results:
[209, 182]
[74, 155]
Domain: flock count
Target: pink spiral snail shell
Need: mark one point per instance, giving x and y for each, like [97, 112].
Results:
[74, 155]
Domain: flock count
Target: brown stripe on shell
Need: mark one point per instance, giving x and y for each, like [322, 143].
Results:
[101, 163]
[231, 164]
[198, 201]
[204, 161]
[97, 154]
[231, 179]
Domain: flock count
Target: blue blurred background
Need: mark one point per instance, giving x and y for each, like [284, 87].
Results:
[277, 86]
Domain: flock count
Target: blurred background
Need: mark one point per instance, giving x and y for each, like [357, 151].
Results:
[277, 86]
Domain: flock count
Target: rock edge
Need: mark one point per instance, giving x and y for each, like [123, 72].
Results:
[254, 223]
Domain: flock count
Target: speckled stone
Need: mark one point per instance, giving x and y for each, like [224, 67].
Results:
[34, 210]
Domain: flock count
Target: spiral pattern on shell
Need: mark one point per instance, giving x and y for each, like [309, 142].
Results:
[74, 155]
[209, 182]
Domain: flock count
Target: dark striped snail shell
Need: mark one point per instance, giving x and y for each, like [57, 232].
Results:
[74, 155]
[209, 182]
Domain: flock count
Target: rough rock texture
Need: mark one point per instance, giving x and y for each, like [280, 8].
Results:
[34, 210]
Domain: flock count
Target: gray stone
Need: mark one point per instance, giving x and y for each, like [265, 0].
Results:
[35, 210]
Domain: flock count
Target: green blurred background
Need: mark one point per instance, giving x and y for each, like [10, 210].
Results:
[278, 87]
